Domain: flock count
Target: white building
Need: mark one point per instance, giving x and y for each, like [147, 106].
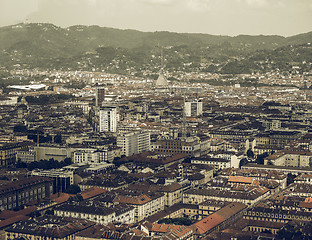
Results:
[193, 109]
[144, 205]
[120, 213]
[90, 156]
[108, 119]
[26, 156]
[290, 159]
[134, 142]
[216, 163]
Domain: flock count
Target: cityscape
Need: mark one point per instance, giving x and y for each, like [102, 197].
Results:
[124, 134]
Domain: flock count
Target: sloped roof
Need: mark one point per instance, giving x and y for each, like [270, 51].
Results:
[208, 223]
[6, 214]
[137, 200]
[92, 192]
[10, 221]
[240, 179]
[60, 197]
[218, 217]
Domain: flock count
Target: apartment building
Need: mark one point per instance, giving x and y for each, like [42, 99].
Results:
[134, 142]
[23, 191]
[47, 228]
[95, 211]
[145, 204]
[290, 158]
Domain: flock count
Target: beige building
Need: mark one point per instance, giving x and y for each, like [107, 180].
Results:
[134, 142]
[144, 205]
[290, 159]
[93, 211]
[250, 196]
[216, 163]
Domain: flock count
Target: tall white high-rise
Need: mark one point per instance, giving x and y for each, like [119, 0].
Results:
[193, 109]
[108, 119]
[134, 142]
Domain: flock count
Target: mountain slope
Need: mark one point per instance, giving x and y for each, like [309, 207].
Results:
[89, 47]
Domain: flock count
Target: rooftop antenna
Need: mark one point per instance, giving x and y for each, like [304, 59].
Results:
[162, 81]
[162, 59]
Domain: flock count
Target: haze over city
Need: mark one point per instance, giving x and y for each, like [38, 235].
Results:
[155, 119]
[220, 17]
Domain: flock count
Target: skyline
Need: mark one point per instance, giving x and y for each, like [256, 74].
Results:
[217, 17]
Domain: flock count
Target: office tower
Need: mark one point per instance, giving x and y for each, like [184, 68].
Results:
[100, 95]
[193, 109]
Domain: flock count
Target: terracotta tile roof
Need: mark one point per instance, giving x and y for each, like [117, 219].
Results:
[136, 200]
[208, 223]
[10, 221]
[240, 179]
[6, 214]
[177, 230]
[230, 209]
[218, 217]
[50, 227]
[92, 192]
[60, 197]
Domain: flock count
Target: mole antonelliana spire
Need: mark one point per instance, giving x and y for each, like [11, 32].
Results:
[162, 80]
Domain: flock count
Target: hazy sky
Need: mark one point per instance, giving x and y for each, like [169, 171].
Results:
[221, 17]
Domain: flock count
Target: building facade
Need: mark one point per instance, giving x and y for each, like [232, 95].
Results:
[193, 109]
[21, 192]
[134, 142]
[99, 96]
[108, 119]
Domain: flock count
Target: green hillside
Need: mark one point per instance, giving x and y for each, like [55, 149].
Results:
[115, 50]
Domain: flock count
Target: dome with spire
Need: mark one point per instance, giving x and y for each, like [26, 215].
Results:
[161, 81]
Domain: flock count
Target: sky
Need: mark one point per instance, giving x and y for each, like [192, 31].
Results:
[218, 17]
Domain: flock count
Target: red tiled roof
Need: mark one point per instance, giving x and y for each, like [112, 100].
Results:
[10, 221]
[208, 223]
[240, 179]
[137, 200]
[92, 192]
[6, 214]
[60, 197]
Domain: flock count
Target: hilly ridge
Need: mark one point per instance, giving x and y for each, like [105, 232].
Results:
[93, 47]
